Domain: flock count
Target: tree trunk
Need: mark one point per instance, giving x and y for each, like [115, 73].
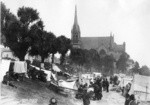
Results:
[62, 59]
[42, 59]
[52, 58]
[42, 63]
[21, 58]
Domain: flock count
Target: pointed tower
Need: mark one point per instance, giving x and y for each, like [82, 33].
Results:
[75, 32]
[111, 42]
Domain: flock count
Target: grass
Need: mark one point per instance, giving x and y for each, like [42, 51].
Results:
[38, 91]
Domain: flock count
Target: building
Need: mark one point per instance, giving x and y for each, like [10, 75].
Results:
[104, 45]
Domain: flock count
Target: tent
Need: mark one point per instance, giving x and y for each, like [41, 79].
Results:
[96, 74]
[48, 72]
[56, 68]
[124, 81]
[88, 76]
[68, 85]
[4, 67]
[141, 87]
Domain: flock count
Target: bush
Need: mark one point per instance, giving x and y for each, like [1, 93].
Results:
[36, 63]
[37, 74]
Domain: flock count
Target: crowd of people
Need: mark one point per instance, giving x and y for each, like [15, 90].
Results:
[93, 91]
[130, 100]
[86, 92]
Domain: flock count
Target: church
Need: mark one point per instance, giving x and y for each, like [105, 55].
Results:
[104, 45]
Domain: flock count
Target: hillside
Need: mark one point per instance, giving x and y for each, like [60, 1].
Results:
[31, 92]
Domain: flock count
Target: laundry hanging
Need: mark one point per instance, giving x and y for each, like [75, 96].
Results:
[20, 67]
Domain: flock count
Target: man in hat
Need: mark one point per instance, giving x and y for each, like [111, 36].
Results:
[53, 101]
[86, 97]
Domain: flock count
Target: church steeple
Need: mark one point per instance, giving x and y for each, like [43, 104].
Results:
[75, 16]
[75, 32]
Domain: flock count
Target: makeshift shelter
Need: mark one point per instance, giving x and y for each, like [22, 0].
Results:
[48, 72]
[56, 68]
[4, 67]
[124, 81]
[97, 74]
[141, 87]
[19, 67]
[68, 84]
[87, 76]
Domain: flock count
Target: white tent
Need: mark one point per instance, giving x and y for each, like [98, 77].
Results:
[124, 81]
[56, 68]
[96, 74]
[4, 67]
[141, 87]
[48, 72]
[68, 85]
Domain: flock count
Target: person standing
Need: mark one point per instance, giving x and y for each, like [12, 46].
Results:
[96, 90]
[127, 99]
[133, 101]
[107, 85]
[104, 84]
[86, 98]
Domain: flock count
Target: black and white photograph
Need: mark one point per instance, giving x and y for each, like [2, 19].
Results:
[75, 52]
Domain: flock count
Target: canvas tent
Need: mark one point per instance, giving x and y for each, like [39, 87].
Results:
[48, 72]
[68, 84]
[4, 67]
[124, 81]
[96, 74]
[141, 87]
[56, 68]
[19, 67]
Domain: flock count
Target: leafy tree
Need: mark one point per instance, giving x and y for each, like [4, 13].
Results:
[122, 62]
[109, 63]
[64, 45]
[54, 48]
[18, 34]
[6, 19]
[95, 59]
[41, 41]
[27, 15]
[144, 70]
[136, 67]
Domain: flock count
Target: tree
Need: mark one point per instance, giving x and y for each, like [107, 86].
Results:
[64, 45]
[109, 63]
[144, 70]
[122, 62]
[6, 19]
[136, 67]
[54, 48]
[18, 34]
[42, 41]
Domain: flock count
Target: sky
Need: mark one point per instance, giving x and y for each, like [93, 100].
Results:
[128, 20]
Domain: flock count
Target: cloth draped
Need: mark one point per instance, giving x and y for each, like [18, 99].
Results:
[48, 72]
[20, 67]
[69, 85]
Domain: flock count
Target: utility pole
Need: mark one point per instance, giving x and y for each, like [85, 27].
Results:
[0, 24]
[146, 92]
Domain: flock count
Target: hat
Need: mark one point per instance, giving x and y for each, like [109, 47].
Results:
[53, 100]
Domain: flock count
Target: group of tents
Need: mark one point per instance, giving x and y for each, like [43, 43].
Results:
[69, 84]
[140, 86]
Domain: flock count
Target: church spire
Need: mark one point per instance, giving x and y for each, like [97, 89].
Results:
[75, 16]
[75, 32]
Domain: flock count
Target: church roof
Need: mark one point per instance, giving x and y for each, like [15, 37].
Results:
[118, 48]
[95, 42]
